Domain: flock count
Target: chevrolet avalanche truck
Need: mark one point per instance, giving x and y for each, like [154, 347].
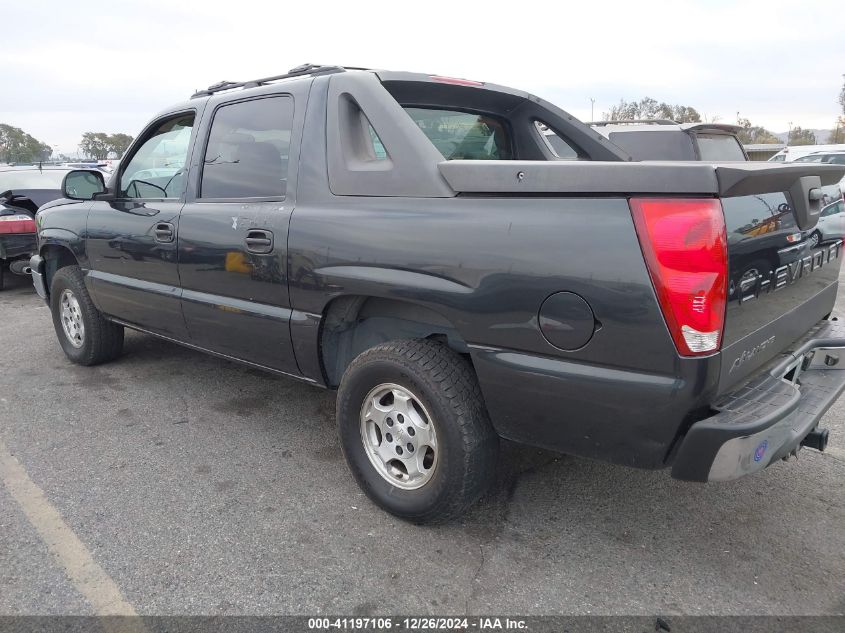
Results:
[413, 242]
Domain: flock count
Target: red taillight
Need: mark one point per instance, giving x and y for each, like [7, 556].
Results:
[686, 250]
[455, 81]
[18, 223]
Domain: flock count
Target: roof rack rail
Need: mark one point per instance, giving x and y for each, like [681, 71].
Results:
[299, 71]
[634, 122]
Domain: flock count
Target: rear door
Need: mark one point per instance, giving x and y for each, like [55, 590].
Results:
[131, 240]
[233, 232]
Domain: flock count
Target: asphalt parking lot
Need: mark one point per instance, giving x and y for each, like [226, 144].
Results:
[197, 486]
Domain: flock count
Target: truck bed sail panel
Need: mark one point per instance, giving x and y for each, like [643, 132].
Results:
[577, 177]
[656, 177]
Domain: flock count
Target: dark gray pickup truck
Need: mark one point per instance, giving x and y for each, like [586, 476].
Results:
[413, 241]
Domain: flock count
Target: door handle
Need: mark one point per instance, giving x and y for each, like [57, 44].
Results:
[163, 232]
[259, 241]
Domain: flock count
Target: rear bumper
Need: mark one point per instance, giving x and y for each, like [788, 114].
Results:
[766, 419]
[15, 245]
[36, 263]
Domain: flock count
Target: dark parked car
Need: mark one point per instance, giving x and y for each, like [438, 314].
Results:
[660, 139]
[22, 191]
[414, 242]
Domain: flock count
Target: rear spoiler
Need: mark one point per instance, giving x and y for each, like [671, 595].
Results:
[711, 127]
[802, 182]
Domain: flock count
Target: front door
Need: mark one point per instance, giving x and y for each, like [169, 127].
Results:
[233, 235]
[131, 240]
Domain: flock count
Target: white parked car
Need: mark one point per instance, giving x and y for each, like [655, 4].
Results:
[796, 152]
[831, 224]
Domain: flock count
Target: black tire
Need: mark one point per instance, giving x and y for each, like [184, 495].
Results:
[817, 237]
[446, 386]
[102, 340]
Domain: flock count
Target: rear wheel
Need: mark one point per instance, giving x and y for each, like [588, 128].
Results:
[85, 335]
[414, 430]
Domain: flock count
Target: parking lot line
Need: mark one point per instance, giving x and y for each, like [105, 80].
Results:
[79, 565]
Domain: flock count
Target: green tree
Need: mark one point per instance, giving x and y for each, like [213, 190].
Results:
[16, 146]
[119, 143]
[842, 96]
[752, 134]
[95, 145]
[837, 135]
[799, 136]
[649, 108]
[99, 145]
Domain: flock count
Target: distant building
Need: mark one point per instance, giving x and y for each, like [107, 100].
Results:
[763, 151]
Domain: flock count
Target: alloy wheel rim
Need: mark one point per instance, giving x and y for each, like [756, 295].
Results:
[399, 436]
[814, 240]
[71, 316]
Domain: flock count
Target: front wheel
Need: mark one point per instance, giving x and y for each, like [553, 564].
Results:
[85, 335]
[414, 430]
[815, 239]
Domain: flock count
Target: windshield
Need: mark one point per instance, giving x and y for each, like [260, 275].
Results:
[31, 179]
[719, 147]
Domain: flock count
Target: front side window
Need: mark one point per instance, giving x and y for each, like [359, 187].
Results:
[158, 168]
[248, 150]
[464, 135]
[812, 158]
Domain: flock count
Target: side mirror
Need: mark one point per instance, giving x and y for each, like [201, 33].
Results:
[83, 184]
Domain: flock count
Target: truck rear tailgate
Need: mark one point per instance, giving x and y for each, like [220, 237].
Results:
[778, 286]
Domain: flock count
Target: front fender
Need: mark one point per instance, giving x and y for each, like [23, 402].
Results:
[63, 238]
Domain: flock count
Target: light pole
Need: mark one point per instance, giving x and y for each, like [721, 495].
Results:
[592, 109]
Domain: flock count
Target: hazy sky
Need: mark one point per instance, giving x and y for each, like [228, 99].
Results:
[71, 66]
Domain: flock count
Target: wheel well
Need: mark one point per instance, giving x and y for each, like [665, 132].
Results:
[56, 257]
[352, 324]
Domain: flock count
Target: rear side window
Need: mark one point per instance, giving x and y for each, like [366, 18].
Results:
[559, 147]
[464, 135]
[248, 150]
[719, 147]
[836, 159]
